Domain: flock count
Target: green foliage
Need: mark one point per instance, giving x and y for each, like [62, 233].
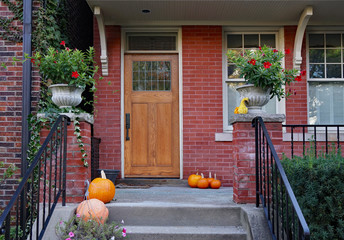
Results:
[263, 68]
[318, 184]
[8, 29]
[9, 171]
[78, 229]
[72, 67]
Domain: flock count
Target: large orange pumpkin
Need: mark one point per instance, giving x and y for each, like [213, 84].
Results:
[193, 180]
[93, 209]
[203, 182]
[102, 189]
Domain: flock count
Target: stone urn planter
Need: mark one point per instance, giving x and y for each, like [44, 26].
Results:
[64, 95]
[258, 97]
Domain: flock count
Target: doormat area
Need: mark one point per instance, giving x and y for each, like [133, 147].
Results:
[133, 186]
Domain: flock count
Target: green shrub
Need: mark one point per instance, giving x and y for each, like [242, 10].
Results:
[318, 184]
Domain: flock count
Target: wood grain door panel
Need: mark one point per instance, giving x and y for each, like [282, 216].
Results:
[153, 148]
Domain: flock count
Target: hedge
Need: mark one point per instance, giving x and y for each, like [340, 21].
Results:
[318, 184]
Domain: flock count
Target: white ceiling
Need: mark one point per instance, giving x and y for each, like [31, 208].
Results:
[218, 12]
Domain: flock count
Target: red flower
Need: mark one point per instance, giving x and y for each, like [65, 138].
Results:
[33, 60]
[275, 50]
[298, 78]
[287, 51]
[267, 65]
[260, 48]
[63, 43]
[253, 62]
[75, 74]
[67, 49]
[303, 73]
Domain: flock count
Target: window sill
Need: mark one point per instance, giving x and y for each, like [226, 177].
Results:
[223, 137]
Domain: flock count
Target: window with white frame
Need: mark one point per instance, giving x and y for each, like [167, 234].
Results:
[326, 78]
[240, 42]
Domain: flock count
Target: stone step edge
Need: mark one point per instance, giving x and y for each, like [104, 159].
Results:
[221, 230]
[155, 204]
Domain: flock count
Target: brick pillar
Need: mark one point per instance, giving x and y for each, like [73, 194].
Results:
[76, 172]
[244, 182]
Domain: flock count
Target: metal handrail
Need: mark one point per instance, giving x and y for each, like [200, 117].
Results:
[283, 213]
[48, 166]
[314, 130]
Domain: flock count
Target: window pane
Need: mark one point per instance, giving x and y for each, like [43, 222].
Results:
[316, 71]
[316, 40]
[234, 41]
[316, 55]
[232, 73]
[152, 43]
[251, 40]
[326, 102]
[333, 71]
[332, 40]
[268, 40]
[333, 55]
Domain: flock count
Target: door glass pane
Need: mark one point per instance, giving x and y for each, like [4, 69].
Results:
[151, 76]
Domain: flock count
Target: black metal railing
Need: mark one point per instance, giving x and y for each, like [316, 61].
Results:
[281, 209]
[320, 136]
[27, 214]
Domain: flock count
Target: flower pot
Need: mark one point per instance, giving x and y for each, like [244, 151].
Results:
[110, 174]
[257, 96]
[64, 95]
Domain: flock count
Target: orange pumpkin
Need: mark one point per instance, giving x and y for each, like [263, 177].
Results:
[216, 184]
[93, 209]
[193, 180]
[203, 182]
[102, 189]
[210, 179]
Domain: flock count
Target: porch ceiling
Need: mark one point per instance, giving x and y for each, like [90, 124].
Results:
[218, 12]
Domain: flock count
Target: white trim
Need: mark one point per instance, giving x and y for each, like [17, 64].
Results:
[224, 137]
[178, 30]
[102, 35]
[300, 32]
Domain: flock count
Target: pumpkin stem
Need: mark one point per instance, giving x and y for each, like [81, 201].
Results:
[215, 176]
[197, 172]
[209, 174]
[102, 173]
[202, 175]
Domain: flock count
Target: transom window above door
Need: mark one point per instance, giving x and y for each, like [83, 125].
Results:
[239, 42]
[151, 42]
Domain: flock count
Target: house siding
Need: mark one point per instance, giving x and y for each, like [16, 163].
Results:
[107, 124]
[202, 104]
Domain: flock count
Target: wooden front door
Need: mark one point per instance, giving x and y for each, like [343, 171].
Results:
[151, 116]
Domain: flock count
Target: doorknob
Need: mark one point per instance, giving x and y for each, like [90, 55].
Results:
[127, 125]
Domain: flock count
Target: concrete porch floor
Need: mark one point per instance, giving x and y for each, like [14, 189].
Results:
[173, 195]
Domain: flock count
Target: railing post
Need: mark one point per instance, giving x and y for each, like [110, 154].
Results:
[255, 125]
[66, 123]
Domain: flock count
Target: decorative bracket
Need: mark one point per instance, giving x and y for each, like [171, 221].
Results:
[102, 35]
[301, 27]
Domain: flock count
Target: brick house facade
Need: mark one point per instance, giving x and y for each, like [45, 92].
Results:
[206, 140]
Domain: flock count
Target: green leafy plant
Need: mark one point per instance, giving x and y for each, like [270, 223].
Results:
[78, 229]
[72, 67]
[318, 184]
[263, 68]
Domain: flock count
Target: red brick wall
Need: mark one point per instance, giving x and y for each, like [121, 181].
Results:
[107, 124]
[296, 105]
[202, 104]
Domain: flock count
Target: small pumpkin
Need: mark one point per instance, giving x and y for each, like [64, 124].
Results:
[210, 179]
[193, 180]
[215, 184]
[93, 209]
[102, 189]
[203, 182]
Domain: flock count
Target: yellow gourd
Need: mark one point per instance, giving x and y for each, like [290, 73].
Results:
[242, 109]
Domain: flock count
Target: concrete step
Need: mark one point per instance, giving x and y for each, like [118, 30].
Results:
[161, 220]
[186, 232]
[135, 182]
